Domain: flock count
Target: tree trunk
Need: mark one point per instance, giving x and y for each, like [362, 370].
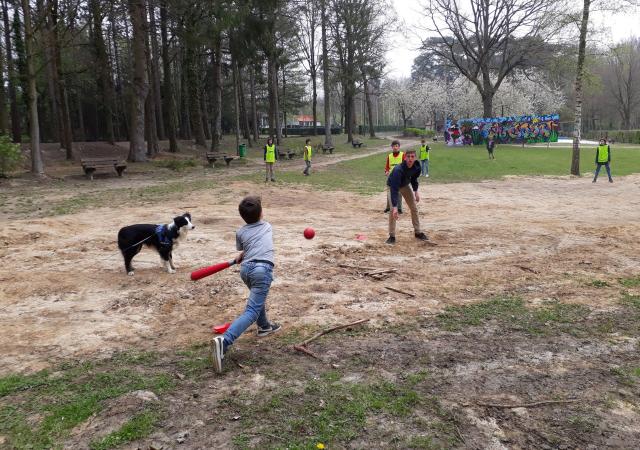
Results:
[284, 101]
[150, 122]
[314, 101]
[216, 125]
[325, 78]
[139, 84]
[37, 165]
[62, 105]
[122, 120]
[236, 109]
[104, 71]
[11, 76]
[243, 109]
[577, 124]
[272, 108]
[169, 99]
[204, 112]
[4, 120]
[254, 109]
[183, 109]
[367, 97]
[82, 136]
[193, 80]
[155, 70]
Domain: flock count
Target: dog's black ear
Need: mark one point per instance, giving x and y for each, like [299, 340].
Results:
[188, 215]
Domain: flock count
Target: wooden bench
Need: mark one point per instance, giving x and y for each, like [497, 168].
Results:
[90, 165]
[212, 157]
[357, 143]
[327, 148]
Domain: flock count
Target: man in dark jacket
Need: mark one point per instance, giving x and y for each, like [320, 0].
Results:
[403, 180]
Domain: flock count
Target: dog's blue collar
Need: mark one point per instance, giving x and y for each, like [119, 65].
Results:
[161, 232]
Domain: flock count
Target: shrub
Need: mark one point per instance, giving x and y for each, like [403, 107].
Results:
[176, 164]
[418, 132]
[10, 155]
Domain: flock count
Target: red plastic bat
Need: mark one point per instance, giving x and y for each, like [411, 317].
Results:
[206, 271]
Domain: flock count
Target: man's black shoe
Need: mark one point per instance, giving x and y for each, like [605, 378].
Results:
[391, 240]
[421, 236]
[386, 210]
[399, 211]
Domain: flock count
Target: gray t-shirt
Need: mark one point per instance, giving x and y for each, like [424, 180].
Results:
[256, 239]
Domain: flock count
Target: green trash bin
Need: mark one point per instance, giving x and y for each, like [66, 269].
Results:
[242, 150]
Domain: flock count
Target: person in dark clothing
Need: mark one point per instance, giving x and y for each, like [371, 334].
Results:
[491, 145]
[403, 181]
[603, 158]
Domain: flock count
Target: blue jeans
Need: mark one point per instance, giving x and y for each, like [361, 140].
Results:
[307, 167]
[258, 277]
[424, 164]
[606, 165]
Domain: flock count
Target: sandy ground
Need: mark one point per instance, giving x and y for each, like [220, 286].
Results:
[64, 293]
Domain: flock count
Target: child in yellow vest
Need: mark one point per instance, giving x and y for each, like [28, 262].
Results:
[393, 159]
[603, 158]
[307, 156]
[424, 158]
[270, 158]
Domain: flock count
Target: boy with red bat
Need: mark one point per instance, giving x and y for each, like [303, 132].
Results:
[255, 240]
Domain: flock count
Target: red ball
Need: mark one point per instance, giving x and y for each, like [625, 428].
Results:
[309, 233]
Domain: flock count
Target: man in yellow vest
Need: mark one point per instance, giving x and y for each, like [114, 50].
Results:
[393, 159]
[307, 156]
[270, 158]
[424, 158]
[603, 158]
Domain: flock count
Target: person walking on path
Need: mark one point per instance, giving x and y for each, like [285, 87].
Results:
[270, 158]
[307, 156]
[255, 240]
[403, 181]
[491, 145]
[393, 159]
[424, 158]
[603, 158]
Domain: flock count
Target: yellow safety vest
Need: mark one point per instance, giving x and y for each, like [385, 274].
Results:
[424, 152]
[395, 160]
[270, 157]
[603, 153]
[307, 154]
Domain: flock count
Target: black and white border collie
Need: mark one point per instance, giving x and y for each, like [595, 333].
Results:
[164, 238]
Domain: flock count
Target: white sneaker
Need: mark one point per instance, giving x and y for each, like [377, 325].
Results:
[217, 353]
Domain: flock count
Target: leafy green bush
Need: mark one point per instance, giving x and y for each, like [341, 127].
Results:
[418, 132]
[10, 155]
[176, 165]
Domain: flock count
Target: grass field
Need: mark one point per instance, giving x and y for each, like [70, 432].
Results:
[450, 165]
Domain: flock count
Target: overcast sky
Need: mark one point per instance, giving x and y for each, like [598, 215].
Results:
[404, 48]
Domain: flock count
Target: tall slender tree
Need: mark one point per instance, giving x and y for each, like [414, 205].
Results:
[139, 84]
[37, 164]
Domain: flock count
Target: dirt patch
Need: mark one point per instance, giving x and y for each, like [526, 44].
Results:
[65, 293]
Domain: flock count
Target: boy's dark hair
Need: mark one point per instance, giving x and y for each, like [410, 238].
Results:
[396, 142]
[307, 141]
[250, 208]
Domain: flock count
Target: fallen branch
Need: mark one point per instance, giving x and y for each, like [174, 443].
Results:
[347, 266]
[380, 272]
[400, 292]
[528, 405]
[303, 349]
[527, 269]
[339, 327]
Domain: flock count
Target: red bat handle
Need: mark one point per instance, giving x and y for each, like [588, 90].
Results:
[206, 271]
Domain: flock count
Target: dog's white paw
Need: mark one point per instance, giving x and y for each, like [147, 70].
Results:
[171, 271]
[130, 273]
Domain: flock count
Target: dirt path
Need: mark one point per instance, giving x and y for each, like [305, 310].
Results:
[64, 293]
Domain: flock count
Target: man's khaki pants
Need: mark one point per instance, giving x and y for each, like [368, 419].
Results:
[407, 193]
